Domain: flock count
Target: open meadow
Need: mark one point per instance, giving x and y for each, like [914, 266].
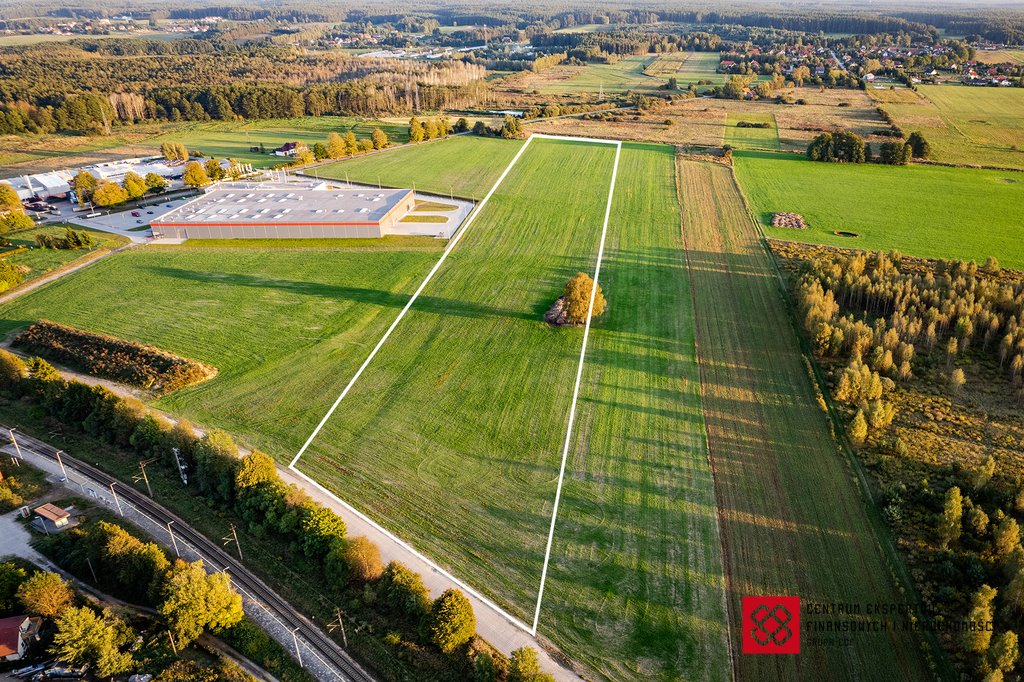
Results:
[36, 262]
[751, 138]
[793, 517]
[964, 125]
[464, 410]
[702, 122]
[921, 210]
[635, 587]
[465, 166]
[285, 327]
[234, 139]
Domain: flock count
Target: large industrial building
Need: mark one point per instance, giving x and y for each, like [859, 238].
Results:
[237, 211]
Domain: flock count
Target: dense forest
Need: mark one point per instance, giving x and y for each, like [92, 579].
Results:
[126, 81]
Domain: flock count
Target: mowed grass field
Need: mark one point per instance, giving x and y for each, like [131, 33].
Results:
[286, 327]
[927, 211]
[751, 138]
[452, 436]
[233, 139]
[635, 587]
[465, 166]
[963, 124]
[794, 521]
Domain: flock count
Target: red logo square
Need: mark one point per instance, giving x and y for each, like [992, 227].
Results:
[771, 625]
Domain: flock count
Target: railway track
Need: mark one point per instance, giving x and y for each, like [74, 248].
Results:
[316, 639]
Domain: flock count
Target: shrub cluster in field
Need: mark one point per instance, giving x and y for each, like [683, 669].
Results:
[250, 487]
[926, 358]
[753, 124]
[844, 147]
[104, 356]
[72, 239]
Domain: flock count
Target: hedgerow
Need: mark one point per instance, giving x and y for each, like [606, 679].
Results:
[108, 357]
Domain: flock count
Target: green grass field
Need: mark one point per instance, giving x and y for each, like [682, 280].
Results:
[967, 125]
[233, 139]
[794, 521]
[751, 138]
[285, 327]
[635, 588]
[927, 211]
[464, 409]
[625, 74]
[700, 66]
[465, 166]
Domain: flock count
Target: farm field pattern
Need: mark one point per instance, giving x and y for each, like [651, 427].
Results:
[793, 518]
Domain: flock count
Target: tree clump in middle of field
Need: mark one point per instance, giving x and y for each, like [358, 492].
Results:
[571, 308]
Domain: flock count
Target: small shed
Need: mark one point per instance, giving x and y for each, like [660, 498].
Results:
[52, 519]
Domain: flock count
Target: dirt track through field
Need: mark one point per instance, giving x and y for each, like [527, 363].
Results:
[794, 521]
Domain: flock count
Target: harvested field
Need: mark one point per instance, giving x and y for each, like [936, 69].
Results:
[794, 518]
[702, 122]
[667, 65]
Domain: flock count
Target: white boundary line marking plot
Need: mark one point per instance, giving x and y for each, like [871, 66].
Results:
[576, 390]
[532, 631]
[423, 284]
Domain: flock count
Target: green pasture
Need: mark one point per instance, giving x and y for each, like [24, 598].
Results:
[751, 138]
[921, 210]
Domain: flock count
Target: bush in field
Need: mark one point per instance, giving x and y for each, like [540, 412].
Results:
[837, 148]
[524, 666]
[10, 276]
[576, 299]
[919, 146]
[451, 622]
[111, 358]
[72, 239]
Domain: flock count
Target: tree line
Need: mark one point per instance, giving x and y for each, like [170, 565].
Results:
[283, 514]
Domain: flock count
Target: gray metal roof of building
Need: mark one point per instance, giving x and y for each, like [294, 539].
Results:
[283, 205]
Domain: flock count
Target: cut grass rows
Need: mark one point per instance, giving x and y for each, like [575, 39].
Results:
[635, 587]
[452, 435]
[793, 520]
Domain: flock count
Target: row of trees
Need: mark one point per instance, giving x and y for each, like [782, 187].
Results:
[846, 147]
[109, 193]
[250, 487]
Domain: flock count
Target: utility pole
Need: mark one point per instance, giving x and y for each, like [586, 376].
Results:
[116, 501]
[174, 542]
[95, 580]
[17, 448]
[233, 538]
[143, 476]
[339, 623]
[61, 463]
[298, 652]
[174, 647]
